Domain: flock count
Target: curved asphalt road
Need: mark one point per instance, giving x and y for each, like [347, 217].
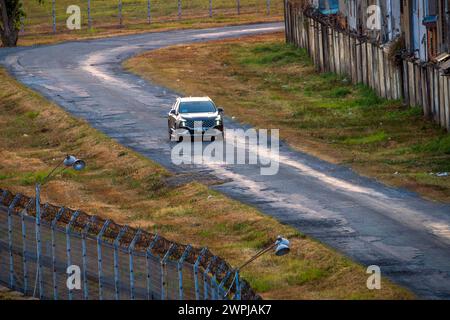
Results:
[408, 237]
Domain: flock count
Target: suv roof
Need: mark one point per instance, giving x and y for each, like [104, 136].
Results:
[189, 99]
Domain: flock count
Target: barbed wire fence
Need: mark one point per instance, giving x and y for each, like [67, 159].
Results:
[116, 262]
[51, 16]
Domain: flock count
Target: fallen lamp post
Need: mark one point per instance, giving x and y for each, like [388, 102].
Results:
[281, 247]
[77, 165]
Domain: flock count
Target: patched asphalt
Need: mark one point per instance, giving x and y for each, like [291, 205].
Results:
[404, 234]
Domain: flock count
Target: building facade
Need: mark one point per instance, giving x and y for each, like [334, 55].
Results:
[422, 25]
[425, 27]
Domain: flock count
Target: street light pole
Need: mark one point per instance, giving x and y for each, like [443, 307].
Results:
[69, 161]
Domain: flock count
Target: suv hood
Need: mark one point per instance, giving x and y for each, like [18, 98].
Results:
[201, 115]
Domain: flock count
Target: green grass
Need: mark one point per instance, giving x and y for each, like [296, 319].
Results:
[372, 138]
[437, 146]
[308, 275]
[278, 54]
[32, 114]
[339, 92]
[32, 178]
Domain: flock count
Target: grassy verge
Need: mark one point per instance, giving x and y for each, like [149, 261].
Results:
[268, 84]
[105, 20]
[120, 184]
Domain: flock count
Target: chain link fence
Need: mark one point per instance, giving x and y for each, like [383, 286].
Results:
[116, 262]
[51, 16]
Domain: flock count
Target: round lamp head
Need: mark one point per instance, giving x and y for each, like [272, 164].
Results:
[79, 165]
[69, 161]
[282, 250]
[282, 240]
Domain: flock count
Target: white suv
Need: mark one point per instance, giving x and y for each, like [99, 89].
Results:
[191, 117]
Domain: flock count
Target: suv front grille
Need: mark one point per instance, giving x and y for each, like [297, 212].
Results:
[205, 123]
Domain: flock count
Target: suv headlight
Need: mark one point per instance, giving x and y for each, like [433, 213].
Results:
[218, 121]
[182, 123]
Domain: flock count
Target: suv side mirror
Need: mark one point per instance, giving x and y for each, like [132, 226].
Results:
[220, 110]
[172, 111]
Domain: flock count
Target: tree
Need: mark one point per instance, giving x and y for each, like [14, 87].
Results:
[11, 12]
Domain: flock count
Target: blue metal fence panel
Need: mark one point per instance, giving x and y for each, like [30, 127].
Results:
[35, 254]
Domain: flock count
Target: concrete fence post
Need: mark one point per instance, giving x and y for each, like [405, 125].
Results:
[149, 11]
[179, 9]
[84, 256]
[54, 15]
[196, 265]
[210, 8]
[89, 14]
[22, 24]
[149, 269]
[268, 7]
[238, 6]
[205, 278]
[163, 271]
[237, 295]
[54, 273]
[38, 242]
[24, 247]
[4, 194]
[180, 270]
[116, 261]
[130, 253]
[10, 240]
[99, 258]
[120, 13]
[222, 285]
[214, 287]
[214, 284]
[68, 247]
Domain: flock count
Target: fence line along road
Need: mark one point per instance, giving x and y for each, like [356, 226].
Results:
[391, 76]
[51, 16]
[115, 262]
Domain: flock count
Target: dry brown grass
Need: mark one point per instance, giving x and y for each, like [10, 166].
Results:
[6, 294]
[267, 84]
[124, 186]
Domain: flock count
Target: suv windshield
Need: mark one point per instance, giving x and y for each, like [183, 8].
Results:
[197, 107]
